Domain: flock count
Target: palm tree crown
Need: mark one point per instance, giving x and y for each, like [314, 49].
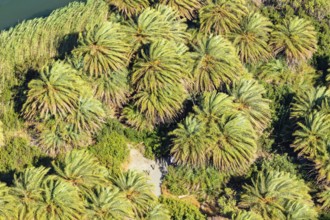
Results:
[296, 38]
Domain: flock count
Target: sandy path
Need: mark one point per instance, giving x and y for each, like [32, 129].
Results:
[138, 162]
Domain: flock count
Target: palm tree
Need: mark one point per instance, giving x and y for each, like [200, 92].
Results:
[59, 137]
[247, 215]
[162, 105]
[103, 49]
[89, 115]
[251, 39]
[216, 63]
[236, 145]
[158, 212]
[192, 143]
[295, 38]
[7, 203]
[221, 16]
[60, 200]
[324, 198]
[308, 101]
[160, 64]
[312, 136]
[81, 170]
[248, 97]
[27, 188]
[213, 105]
[133, 117]
[55, 93]
[157, 23]
[137, 191]
[186, 8]
[129, 7]
[112, 90]
[272, 194]
[106, 203]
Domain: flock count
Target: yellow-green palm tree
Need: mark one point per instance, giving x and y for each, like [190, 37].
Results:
[251, 38]
[105, 203]
[8, 207]
[249, 100]
[192, 143]
[324, 198]
[55, 93]
[186, 8]
[103, 49]
[221, 16]
[215, 63]
[2, 137]
[295, 38]
[129, 7]
[137, 191]
[278, 195]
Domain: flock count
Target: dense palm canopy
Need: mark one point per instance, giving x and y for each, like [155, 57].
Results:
[105, 203]
[129, 7]
[137, 191]
[103, 49]
[249, 100]
[244, 215]
[236, 145]
[251, 38]
[112, 90]
[222, 16]
[59, 200]
[215, 63]
[191, 142]
[80, 169]
[2, 137]
[132, 116]
[278, 195]
[186, 8]
[324, 198]
[157, 23]
[55, 93]
[312, 136]
[295, 38]
[28, 189]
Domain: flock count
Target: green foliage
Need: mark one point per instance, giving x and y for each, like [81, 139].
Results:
[278, 195]
[111, 150]
[136, 189]
[251, 39]
[103, 49]
[2, 137]
[186, 8]
[296, 38]
[7, 203]
[215, 63]
[221, 16]
[129, 7]
[181, 210]
[205, 184]
[247, 215]
[54, 94]
[17, 154]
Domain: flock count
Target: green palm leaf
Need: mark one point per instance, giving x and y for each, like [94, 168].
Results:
[324, 198]
[60, 200]
[191, 143]
[244, 215]
[277, 195]
[216, 63]
[7, 203]
[2, 137]
[103, 49]
[105, 203]
[236, 145]
[312, 136]
[133, 117]
[248, 96]
[28, 189]
[221, 16]
[137, 191]
[186, 8]
[80, 169]
[158, 212]
[296, 38]
[251, 39]
[55, 93]
[129, 7]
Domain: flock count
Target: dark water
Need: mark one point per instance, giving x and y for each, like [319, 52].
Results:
[15, 11]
